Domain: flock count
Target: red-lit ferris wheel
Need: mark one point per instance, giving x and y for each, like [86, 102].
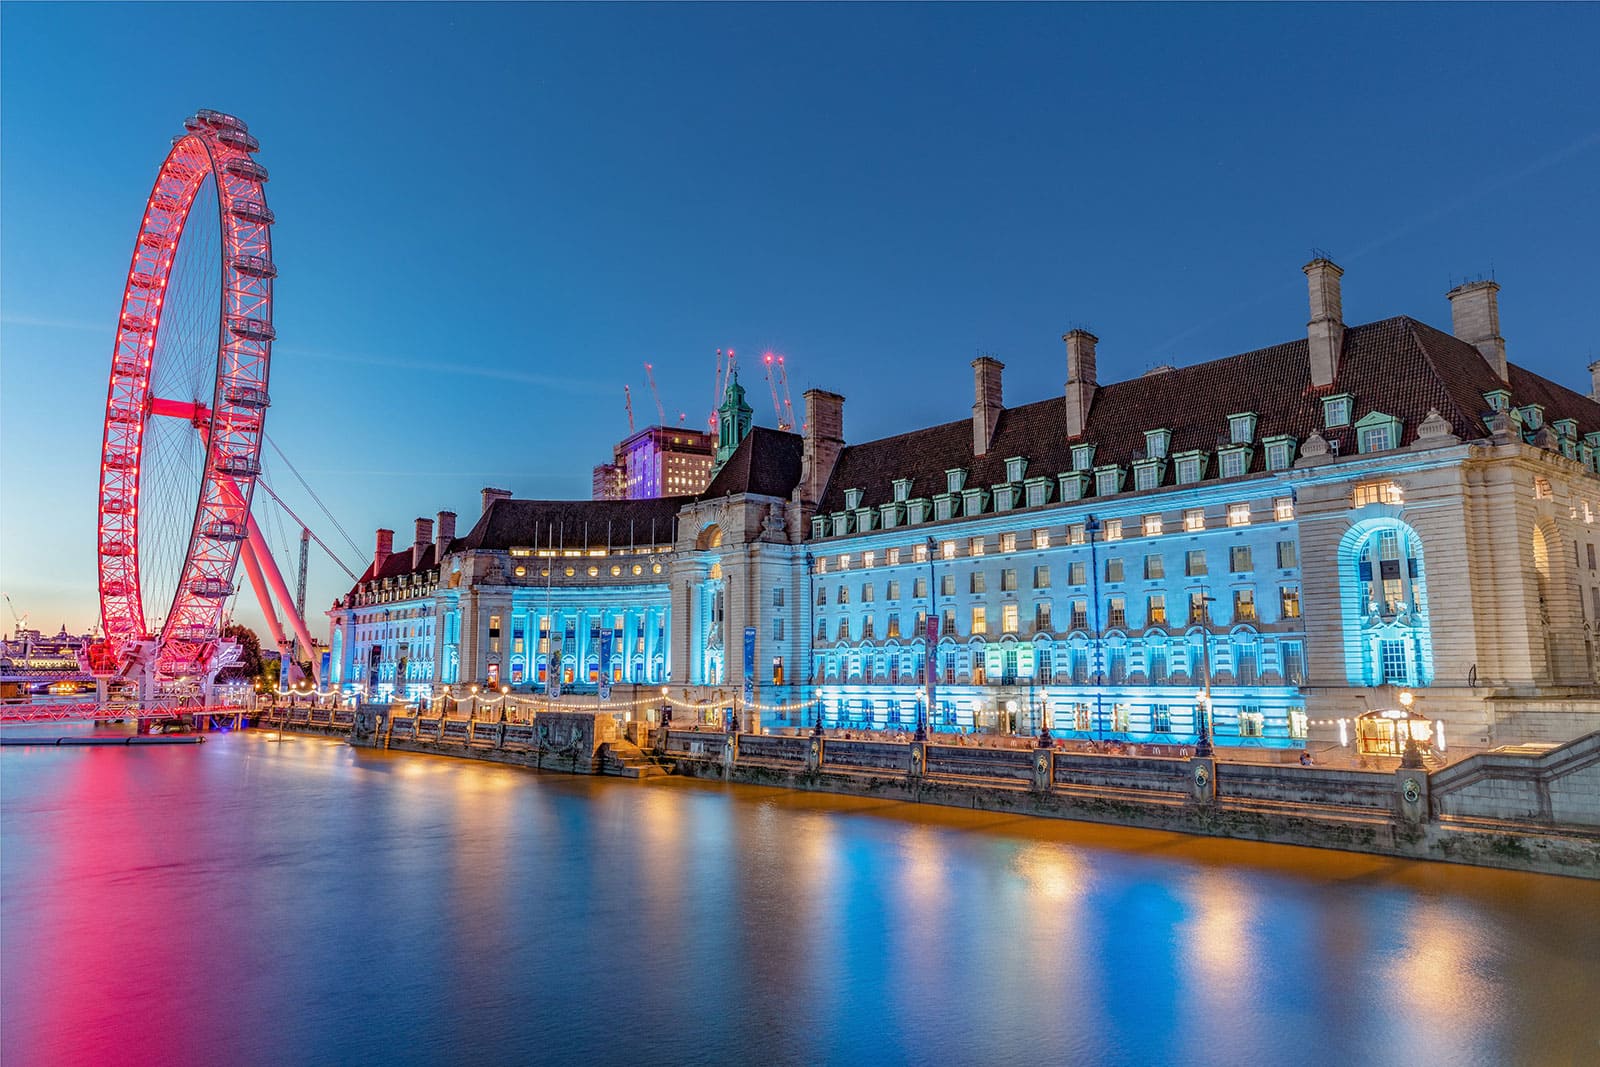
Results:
[185, 412]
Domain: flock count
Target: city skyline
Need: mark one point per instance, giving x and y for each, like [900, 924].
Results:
[525, 214]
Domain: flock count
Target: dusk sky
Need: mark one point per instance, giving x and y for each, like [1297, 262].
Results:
[490, 217]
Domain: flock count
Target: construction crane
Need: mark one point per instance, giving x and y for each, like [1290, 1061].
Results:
[627, 400]
[772, 387]
[787, 421]
[661, 412]
[21, 620]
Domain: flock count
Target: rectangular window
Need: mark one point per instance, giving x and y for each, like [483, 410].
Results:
[947, 621]
[1145, 476]
[844, 562]
[1076, 534]
[980, 621]
[1041, 617]
[1278, 456]
[1080, 614]
[1251, 722]
[919, 587]
[948, 549]
[892, 591]
[1591, 556]
[1117, 612]
[1188, 470]
[1114, 569]
[975, 546]
[1008, 580]
[1008, 618]
[866, 593]
[1289, 602]
[1041, 538]
[1244, 664]
[1282, 508]
[1105, 482]
[1161, 718]
[777, 629]
[777, 596]
[1113, 529]
[1239, 561]
[1194, 519]
[1197, 610]
[1117, 667]
[1376, 439]
[1232, 463]
[894, 625]
[1377, 493]
[1156, 609]
[868, 559]
[1077, 572]
[1239, 514]
[1194, 564]
[1244, 605]
[1041, 577]
[1008, 542]
[843, 595]
[893, 557]
[1287, 557]
[1297, 723]
[1154, 568]
[1152, 526]
[947, 585]
[822, 595]
[1293, 655]
[977, 583]
[1081, 719]
[866, 628]
[1336, 411]
[1393, 654]
[920, 553]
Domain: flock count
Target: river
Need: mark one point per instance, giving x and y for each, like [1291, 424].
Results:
[247, 901]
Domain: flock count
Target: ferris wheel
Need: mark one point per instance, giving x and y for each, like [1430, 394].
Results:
[185, 414]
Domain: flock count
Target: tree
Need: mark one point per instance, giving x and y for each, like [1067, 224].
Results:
[250, 664]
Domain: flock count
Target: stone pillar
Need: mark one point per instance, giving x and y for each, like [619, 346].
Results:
[1044, 767]
[730, 753]
[919, 759]
[1411, 793]
[814, 754]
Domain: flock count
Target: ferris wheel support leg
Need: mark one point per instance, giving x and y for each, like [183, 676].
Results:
[252, 568]
[281, 591]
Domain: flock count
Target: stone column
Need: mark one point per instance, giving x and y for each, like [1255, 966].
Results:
[1411, 792]
[1203, 780]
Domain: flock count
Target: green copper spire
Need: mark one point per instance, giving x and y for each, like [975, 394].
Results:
[733, 421]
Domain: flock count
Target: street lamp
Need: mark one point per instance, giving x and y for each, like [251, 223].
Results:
[930, 648]
[1091, 526]
[1202, 744]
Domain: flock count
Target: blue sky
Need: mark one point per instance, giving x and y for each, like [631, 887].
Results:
[490, 217]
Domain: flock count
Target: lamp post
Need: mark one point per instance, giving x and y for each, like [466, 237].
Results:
[1091, 526]
[931, 664]
[1202, 744]
[1411, 755]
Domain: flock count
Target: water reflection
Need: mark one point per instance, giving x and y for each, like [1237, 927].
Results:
[252, 902]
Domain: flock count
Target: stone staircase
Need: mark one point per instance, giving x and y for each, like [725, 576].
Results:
[624, 759]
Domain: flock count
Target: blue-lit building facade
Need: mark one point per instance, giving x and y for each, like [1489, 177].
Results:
[1302, 531]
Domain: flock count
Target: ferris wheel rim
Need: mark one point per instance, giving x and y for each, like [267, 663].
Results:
[232, 425]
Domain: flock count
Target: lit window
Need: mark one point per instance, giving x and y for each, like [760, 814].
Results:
[1152, 526]
[1008, 542]
[920, 553]
[1289, 602]
[893, 559]
[1282, 508]
[1244, 605]
[1041, 538]
[1376, 438]
[1117, 612]
[1076, 534]
[948, 549]
[1239, 514]
[868, 558]
[844, 562]
[1377, 493]
[975, 546]
[980, 621]
[1194, 519]
[1156, 610]
[1113, 529]
[1008, 618]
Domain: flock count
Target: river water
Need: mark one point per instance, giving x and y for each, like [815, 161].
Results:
[246, 901]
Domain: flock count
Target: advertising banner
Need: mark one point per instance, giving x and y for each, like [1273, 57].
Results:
[749, 665]
[605, 664]
[932, 662]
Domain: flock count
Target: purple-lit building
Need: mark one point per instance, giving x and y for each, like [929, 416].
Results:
[657, 461]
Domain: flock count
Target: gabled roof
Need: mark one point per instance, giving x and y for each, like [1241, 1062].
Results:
[1398, 366]
[767, 462]
[577, 524]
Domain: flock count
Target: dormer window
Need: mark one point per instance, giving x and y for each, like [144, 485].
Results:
[1156, 443]
[917, 510]
[954, 480]
[1242, 428]
[1532, 416]
[943, 506]
[852, 499]
[1107, 480]
[973, 501]
[1336, 410]
[1015, 466]
[1565, 428]
[1498, 399]
[1377, 432]
[1082, 457]
[1280, 452]
[1005, 496]
[1191, 467]
[1147, 473]
[902, 489]
[1038, 491]
[1233, 462]
[1073, 485]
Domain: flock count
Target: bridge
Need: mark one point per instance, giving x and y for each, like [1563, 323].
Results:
[17, 713]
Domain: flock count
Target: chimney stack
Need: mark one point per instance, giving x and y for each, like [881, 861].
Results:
[490, 495]
[1475, 318]
[383, 551]
[424, 539]
[1080, 379]
[987, 403]
[445, 533]
[1325, 331]
[824, 439]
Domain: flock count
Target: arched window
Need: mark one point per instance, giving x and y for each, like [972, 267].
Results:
[1384, 590]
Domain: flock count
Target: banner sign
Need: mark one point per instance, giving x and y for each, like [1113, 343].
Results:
[749, 665]
[932, 662]
[552, 686]
[605, 664]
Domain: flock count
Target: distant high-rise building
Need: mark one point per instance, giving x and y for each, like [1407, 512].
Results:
[658, 461]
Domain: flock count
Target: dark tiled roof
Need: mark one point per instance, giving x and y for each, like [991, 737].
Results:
[1398, 366]
[767, 461]
[574, 524]
[399, 564]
